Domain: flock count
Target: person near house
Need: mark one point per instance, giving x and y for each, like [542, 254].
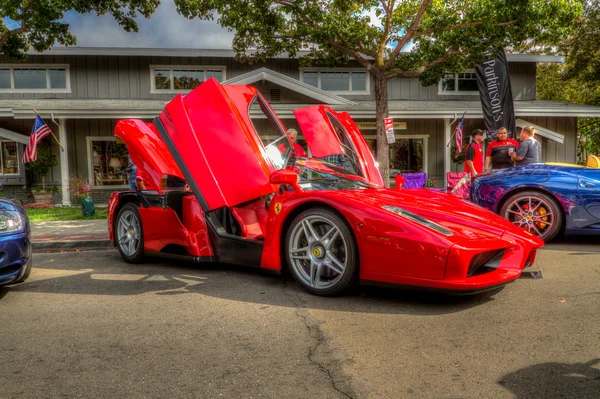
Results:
[298, 150]
[132, 169]
[499, 151]
[530, 149]
[474, 154]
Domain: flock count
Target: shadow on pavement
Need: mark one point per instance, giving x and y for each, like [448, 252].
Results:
[578, 245]
[555, 380]
[105, 273]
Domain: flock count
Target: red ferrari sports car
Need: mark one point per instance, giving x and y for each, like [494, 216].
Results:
[327, 218]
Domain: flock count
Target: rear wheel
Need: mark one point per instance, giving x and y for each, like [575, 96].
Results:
[536, 212]
[321, 252]
[129, 234]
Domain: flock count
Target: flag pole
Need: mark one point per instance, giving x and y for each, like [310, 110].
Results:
[454, 132]
[52, 133]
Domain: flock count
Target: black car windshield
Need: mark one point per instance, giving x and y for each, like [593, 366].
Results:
[315, 175]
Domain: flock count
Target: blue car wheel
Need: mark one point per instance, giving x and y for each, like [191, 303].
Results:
[535, 212]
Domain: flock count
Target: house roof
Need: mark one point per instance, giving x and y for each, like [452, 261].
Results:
[148, 109]
[289, 83]
[226, 53]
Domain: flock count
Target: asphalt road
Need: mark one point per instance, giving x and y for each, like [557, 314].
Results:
[89, 325]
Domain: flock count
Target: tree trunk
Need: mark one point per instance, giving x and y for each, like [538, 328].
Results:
[381, 112]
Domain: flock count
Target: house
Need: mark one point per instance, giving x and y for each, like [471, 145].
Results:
[82, 92]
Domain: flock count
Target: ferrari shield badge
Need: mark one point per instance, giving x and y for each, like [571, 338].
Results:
[277, 208]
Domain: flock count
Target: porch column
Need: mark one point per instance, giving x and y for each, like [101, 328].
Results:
[447, 150]
[64, 162]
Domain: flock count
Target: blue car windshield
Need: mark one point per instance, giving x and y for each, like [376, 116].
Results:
[313, 179]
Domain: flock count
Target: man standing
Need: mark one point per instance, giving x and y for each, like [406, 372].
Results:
[298, 150]
[530, 149]
[499, 151]
[474, 154]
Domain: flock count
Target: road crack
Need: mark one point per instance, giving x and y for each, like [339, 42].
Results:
[320, 341]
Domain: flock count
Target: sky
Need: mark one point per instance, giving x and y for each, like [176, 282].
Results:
[164, 29]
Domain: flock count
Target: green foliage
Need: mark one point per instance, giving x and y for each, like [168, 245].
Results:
[40, 22]
[443, 36]
[460, 158]
[70, 213]
[430, 183]
[578, 79]
[44, 161]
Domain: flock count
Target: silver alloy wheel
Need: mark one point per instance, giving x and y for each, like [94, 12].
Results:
[128, 233]
[318, 252]
[532, 213]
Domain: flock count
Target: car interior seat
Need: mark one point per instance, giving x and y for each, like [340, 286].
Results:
[252, 219]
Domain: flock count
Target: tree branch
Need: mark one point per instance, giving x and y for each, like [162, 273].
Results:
[389, 8]
[23, 29]
[409, 35]
[414, 74]
[461, 26]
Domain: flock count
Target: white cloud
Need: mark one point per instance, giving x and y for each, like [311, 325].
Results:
[164, 29]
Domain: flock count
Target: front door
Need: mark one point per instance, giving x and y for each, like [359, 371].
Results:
[215, 142]
[588, 186]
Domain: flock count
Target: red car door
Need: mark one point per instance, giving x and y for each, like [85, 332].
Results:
[328, 133]
[212, 137]
[147, 151]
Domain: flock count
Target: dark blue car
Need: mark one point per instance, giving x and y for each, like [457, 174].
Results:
[15, 245]
[545, 199]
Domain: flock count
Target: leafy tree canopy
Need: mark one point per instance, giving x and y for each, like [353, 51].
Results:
[39, 22]
[578, 79]
[441, 35]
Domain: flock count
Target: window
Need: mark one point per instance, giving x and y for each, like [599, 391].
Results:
[9, 158]
[170, 79]
[461, 83]
[107, 161]
[271, 134]
[341, 81]
[407, 156]
[35, 79]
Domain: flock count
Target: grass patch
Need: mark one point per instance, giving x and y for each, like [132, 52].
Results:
[54, 214]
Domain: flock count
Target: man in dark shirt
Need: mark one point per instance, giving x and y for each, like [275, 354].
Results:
[529, 150]
[474, 154]
[499, 152]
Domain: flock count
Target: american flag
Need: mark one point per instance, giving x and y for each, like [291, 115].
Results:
[38, 132]
[458, 135]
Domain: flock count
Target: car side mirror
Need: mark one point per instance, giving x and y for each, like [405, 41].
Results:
[285, 177]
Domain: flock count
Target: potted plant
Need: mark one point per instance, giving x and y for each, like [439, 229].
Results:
[44, 161]
[79, 189]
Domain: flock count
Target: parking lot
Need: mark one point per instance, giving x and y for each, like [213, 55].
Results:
[89, 325]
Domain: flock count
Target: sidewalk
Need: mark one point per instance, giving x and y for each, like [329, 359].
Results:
[70, 235]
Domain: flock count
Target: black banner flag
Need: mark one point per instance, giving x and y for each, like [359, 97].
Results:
[496, 95]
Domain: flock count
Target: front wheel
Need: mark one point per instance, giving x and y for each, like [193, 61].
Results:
[129, 234]
[534, 211]
[321, 252]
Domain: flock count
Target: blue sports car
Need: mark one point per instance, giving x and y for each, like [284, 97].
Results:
[15, 246]
[545, 199]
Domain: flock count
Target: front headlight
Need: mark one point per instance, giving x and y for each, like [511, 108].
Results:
[418, 219]
[11, 222]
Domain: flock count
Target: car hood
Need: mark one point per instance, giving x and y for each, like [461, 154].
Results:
[467, 220]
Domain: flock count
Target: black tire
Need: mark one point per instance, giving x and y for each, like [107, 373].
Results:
[130, 241]
[331, 253]
[546, 220]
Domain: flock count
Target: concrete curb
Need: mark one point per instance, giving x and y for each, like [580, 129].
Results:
[71, 245]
